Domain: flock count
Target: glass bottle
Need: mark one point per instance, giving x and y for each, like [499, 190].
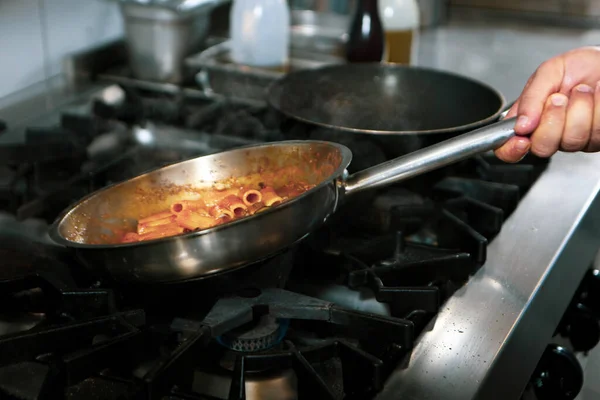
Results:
[400, 19]
[366, 40]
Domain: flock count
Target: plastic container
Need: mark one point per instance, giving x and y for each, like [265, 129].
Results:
[260, 33]
[401, 20]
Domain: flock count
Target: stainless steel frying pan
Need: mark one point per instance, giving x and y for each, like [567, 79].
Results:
[90, 226]
[386, 100]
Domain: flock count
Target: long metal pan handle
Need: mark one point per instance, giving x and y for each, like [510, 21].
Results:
[433, 157]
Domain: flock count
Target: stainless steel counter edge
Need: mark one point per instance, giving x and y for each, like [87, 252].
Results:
[488, 338]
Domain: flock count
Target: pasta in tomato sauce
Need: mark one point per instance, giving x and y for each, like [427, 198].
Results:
[213, 208]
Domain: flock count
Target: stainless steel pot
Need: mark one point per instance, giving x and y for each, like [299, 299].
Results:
[161, 33]
[89, 227]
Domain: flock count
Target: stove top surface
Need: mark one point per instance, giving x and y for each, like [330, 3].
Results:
[335, 315]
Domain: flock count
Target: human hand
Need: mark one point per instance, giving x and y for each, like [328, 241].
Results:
[559, 108]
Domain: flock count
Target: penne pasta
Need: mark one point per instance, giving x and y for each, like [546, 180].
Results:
[154, 217]
[198, 209]
[270, 197]
[219, 212]
[256, 207]
[130, 237]
[251, 197]
[235, 205]
[261, 210]
[213, 198]
[163, 231]
[193, 221]
[186, 205]
[153, 225]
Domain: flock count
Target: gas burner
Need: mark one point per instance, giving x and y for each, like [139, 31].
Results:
[302, 354]
[282, 304]
[148, 358]
[255, 336]
[273, 384]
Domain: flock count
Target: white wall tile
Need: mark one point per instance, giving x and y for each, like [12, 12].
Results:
[74, 25]
[21, 55]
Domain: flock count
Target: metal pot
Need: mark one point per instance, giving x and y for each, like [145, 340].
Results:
[160, 34]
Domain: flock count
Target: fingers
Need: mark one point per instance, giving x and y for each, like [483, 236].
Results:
[594, 143]
[546, 80]
[514, 150]
[546, 139]
[566, 123]
[580, 114]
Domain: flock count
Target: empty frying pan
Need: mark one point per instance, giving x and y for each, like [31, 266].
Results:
[390, 100]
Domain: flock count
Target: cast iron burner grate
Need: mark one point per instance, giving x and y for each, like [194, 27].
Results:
[86, 348]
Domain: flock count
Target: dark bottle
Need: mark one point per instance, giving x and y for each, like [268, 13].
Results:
[366, 40]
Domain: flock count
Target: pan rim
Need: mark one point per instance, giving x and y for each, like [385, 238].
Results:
[460, 128]
[57, 237]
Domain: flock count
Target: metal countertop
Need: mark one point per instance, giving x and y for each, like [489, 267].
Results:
[489, 336]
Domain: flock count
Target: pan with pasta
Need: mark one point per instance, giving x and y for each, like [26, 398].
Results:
[206, 215]
[216, 213]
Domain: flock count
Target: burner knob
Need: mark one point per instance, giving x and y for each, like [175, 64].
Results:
[558, 375]
[583, 328]
[590, 294]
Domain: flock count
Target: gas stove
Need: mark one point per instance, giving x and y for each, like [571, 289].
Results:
[376, 304]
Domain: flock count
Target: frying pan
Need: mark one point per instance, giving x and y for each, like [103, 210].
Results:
[386, 100]
[91, 227]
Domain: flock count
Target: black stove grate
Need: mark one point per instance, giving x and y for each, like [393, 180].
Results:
[85, 341]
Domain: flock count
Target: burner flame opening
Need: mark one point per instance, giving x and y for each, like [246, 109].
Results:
[255, 336]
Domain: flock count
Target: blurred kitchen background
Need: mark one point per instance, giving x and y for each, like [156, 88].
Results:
[36, 36]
